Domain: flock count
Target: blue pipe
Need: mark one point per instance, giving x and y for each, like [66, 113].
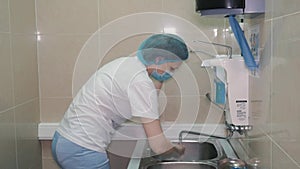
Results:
[245, 49]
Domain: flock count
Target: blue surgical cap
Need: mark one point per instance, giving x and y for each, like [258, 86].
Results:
[169, 46]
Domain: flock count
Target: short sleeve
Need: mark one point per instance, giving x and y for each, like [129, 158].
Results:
[143, 99]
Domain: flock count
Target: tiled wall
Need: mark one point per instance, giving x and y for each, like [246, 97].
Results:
[276, 137]
[19, 98]
[69, 28]
[64, 28]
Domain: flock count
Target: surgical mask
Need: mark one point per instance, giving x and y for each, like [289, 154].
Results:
[161, 77]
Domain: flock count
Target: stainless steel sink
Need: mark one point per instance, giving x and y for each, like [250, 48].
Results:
[196, 151]
[197, 155]
[181, 165]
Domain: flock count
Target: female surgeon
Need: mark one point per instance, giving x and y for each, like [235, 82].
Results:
[120, 90]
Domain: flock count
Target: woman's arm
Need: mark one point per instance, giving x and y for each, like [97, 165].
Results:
[157, 140]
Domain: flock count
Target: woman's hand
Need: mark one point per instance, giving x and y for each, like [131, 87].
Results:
[173, 154]
[179, 149]
[157, 84]
[158, 142]
[176, 151]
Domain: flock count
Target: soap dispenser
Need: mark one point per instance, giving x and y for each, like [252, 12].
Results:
[237, 82]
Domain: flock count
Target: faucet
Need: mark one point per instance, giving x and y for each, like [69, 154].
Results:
[228, 48]
[201, 134]
[240, 129]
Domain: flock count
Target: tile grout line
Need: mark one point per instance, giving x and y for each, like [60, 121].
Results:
[280, 148]
[13, 85]
[283, 16]
[18, 105]
[37, 58]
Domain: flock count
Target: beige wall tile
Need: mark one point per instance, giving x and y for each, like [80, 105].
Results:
[25, 67]
[206, 115]
[284, 29]
[53, 109]
[47, 157]
[189, 109]
[19, 79]
[290, 146]
[185, 82]
[281, 160]
[126, 47]
[183, 8]
[260, 87]
[67, 17]
[6, 75]
[172, 109]
[260, 98]
[269, 9]
[285, 104]
[22, 16]
[202, 77]
[284, 100]
[4, 16]
[56, 64]
[86, 64]
[46, 153]
[27, 119]
[7, 140]
[50, 164]
[207, 24]
[171, 88]
[184, 110]
[129, 27]
[29, 154]
[111, 10]
[285, 62]
[186, 10]
[190, 79]
[259, 147]
[281, 8]
[152, 5]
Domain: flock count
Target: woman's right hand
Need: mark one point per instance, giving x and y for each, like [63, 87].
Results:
[179, 149]
[173, 154]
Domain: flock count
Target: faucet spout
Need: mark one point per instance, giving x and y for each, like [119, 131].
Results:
[200, 134]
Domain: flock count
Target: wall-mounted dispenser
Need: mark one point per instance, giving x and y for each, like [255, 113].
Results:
[237, 69]
[237, 82]
[230, 7]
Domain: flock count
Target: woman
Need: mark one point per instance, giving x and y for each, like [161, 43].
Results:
[118, 91]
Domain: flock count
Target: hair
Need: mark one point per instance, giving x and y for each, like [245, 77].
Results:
[169, 46]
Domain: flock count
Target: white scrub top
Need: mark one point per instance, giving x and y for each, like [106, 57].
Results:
[118, 91]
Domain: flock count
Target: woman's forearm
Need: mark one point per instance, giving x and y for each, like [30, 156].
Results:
[157, 140]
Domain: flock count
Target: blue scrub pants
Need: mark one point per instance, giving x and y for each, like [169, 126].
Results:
[69, 155]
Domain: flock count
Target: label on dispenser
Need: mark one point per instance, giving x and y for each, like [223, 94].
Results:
[220, 92]
[241, 109]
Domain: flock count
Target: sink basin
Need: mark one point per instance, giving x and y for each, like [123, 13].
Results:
[196, 151]
[197, 155]
[180, 165]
